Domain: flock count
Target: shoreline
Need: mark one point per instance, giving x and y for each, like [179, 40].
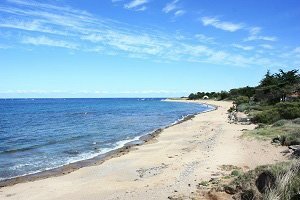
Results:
[99, 159]
[171, 166]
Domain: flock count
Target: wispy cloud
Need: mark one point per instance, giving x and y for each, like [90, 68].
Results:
[136, 4]
[246, 48]
[40, 24]
[223, 25]
[258, 37]
[266, 46]
[170, 6]
[42, 40]
[297, 50]
[293, 53]
[205, 39]
[179, 13]
[3, 46]
[254, 34]
[254, 30]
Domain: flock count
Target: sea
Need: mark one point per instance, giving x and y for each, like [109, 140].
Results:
[43, 134]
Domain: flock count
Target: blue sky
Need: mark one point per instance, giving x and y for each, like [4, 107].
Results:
[143, 48]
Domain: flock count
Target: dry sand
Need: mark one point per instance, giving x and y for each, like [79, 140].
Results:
[170, 165]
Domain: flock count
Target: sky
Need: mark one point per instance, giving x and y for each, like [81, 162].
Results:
[143, 48]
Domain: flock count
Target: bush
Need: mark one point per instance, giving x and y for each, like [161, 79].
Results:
[296, 121]
[288, 110]
[243, 107]
[281, 122]
[283, 110]
[267, 117]
[241, 99]
[236, 173]
[286, 185]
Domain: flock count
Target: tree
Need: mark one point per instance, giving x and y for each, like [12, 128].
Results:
[275, 87]
[192, 96]
[268, 80]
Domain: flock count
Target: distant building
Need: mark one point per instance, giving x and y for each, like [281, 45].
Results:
[293, 96]
[205, 97]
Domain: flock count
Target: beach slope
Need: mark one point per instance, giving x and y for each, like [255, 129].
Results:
[172, 164]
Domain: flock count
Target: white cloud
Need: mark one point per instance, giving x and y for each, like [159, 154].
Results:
[246, 48]
[42, 40]
[141, 8]
[179, 13]
[266, 46]
[254, 30]
[297, 50]
[204, 38]
[170, 6]
[254, 35]
[258, 37]
[93, 37]
[226, 26]
[135, 4]
[43, 24]
[3, 46]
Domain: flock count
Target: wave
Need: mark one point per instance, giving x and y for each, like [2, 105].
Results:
[51, 142]
[75, 156]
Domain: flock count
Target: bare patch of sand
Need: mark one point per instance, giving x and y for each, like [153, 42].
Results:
[183, 156]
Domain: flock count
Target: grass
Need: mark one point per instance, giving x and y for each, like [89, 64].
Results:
[236, 172]
[289, 130]
[203, 183]
[287, 181]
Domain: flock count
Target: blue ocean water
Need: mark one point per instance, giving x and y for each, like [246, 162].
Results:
[41, 134]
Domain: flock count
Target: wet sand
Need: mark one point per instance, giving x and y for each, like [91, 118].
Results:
[171, 163]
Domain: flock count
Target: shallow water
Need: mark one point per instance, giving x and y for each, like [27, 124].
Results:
[41, 134]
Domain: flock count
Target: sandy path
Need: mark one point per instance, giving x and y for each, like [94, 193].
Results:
[179, 158]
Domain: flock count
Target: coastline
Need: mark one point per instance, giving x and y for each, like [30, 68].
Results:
[99, 159]
[171, 165]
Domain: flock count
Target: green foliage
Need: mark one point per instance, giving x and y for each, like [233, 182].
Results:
[241, 99]
[267, 117]
[287, 183]
[288, 110]
[287, 131]
[212, 95]
[243, 107]
[274, 88]
[281, 122]
[282, 110]
[236, 173]
[244, 91]
[204, 183]
[224, 95]
[296, 121]
[192, 96]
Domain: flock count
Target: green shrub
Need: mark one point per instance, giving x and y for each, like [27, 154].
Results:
[204, 183]
[243, 107]
[282, 110]
[287, 180]
[288, 110]
[241, 99]
[281, 122]
[296, 121]
[236, 173]
[267, 117]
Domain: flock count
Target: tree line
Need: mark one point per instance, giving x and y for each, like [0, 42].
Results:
[273, 88]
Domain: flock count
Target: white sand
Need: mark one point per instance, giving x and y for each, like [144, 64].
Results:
[179, 158]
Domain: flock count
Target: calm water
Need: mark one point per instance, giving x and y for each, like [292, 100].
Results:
[40, 134]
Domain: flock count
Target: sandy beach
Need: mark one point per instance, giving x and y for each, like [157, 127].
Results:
[169, 166]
